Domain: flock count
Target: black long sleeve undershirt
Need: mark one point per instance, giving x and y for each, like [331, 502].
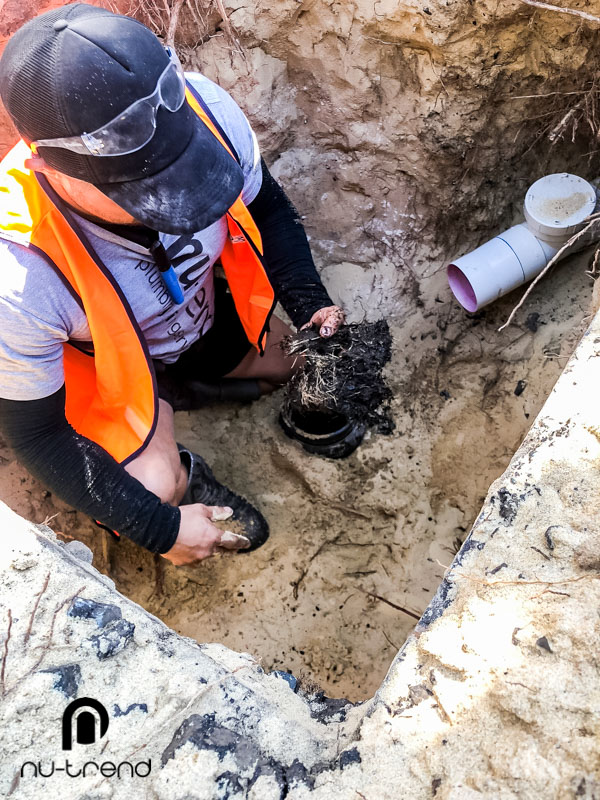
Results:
[82, 473]
[289, 263]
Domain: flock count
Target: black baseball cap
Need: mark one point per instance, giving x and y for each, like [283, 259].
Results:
[72, 70]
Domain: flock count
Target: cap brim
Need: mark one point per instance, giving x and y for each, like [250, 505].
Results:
[192, 192]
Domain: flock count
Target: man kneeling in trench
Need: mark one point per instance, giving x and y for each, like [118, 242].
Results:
[129, 182]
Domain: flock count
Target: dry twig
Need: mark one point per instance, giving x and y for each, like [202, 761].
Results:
[389, 603]
[5, 655]
[45, 646]
[566, 246]
[547, 583]
[15, 783]
[228, 28]
[389, 641]
[545, 94]
[592, 271]
[35, 608]
[443, 713]
[164, 18]
[574, 11]
[173, 22]
[569, 119]
[349, 510]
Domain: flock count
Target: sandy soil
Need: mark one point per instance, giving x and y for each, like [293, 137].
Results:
[353, 542]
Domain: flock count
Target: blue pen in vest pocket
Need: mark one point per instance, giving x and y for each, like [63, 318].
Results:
[161, 259]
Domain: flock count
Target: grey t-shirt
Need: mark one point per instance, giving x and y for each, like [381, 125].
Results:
[38, 313]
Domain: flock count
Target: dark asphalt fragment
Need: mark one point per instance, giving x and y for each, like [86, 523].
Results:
[101, 613]
[67, 678]
[118, 712]
[113, 639]
[544, 644]
[520, 388]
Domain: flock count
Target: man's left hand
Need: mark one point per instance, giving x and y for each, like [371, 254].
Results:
[329, 319]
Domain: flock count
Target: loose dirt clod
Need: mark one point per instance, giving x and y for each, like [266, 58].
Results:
[343, 374]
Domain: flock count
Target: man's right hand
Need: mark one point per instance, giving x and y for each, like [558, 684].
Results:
[198, 538]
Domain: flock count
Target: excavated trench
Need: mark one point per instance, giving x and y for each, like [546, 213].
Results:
[358, 546]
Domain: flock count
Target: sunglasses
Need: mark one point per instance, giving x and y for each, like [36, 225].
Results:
[135, 126]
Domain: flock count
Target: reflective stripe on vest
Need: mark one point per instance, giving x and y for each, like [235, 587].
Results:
[111, 397]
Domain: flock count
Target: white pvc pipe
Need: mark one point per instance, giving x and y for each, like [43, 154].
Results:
[498, 266]
[556, 206]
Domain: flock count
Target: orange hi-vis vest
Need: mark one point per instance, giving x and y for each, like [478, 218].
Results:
[111, 395]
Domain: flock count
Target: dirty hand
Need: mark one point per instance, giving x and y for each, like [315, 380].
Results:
[198, 538]
[329, 320]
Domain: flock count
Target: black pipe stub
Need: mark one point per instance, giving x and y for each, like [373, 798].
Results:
[322, 432]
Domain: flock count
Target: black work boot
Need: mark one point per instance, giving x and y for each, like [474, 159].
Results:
[204, 488]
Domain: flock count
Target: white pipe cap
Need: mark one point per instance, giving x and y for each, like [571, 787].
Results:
[556, 206]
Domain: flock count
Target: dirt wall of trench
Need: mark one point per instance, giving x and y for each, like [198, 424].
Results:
[398, 128]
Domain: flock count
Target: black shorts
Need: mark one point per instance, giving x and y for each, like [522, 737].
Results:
[216, 353]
